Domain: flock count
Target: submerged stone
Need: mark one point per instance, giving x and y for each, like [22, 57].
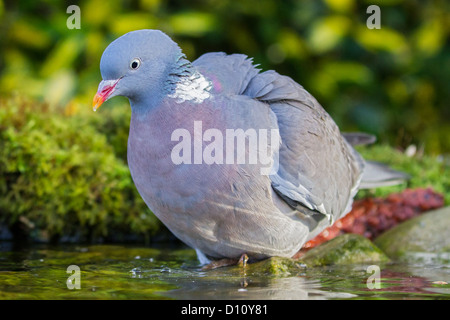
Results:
[276, 266]
[345, 249]
[421, 239]
[273, 266]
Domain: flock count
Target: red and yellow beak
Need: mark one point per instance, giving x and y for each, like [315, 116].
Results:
[104, 92]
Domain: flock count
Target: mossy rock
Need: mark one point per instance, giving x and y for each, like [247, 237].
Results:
[345, 249]
[273, 266]
[276, 266]
[421, 239]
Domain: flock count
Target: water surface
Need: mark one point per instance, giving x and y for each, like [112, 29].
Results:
[129, 272]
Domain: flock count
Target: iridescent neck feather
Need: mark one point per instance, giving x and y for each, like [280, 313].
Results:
[187, 84]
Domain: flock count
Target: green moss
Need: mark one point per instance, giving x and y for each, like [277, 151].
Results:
[345, 249]
[60, 176]
[275, 266]
[424, 170]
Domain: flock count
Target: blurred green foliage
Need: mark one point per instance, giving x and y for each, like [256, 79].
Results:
[393, 82]
[60, 177]
[425, 171]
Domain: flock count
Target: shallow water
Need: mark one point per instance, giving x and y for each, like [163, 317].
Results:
[128, 272]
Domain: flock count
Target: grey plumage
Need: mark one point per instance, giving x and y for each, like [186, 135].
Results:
[225, 210]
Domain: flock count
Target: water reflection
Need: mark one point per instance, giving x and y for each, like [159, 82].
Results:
[290, 288]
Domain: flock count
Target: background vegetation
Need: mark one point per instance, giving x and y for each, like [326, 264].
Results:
[60, 178]
[63, 169]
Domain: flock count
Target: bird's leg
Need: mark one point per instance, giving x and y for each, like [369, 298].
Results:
[243, 260]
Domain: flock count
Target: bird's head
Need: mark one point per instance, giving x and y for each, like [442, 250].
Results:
[136, 65]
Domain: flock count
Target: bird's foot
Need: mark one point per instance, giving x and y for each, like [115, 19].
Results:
[220, 263]
[242, 261]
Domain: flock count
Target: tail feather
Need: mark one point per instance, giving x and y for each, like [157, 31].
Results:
[359, 138]
[379, 175]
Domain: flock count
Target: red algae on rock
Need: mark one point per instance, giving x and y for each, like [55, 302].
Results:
[372, 216]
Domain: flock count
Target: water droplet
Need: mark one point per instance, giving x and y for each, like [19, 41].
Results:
[165, 269]
[136, 273]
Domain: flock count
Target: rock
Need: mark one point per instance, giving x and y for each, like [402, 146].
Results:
[276, 266]
[422, 239]
[273, 266]
[344, 249]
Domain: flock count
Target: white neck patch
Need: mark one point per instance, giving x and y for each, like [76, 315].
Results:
[193, 88]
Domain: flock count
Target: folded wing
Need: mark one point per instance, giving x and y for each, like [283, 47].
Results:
[319, 172]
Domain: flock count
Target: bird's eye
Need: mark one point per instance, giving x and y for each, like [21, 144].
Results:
[135, 63]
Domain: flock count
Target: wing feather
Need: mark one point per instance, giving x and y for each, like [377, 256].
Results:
[318, 169]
